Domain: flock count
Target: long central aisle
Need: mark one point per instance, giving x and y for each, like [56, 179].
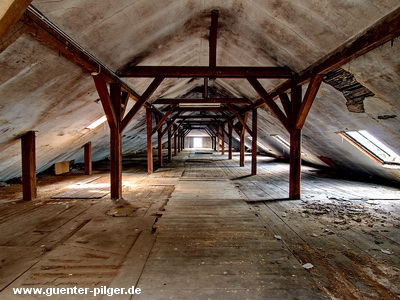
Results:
[210, 245]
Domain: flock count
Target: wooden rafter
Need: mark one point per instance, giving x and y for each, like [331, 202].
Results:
[286, 104]
[203, 72]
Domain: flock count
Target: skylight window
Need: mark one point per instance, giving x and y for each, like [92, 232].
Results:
[374, 148]
[97, 123]
[281, 140]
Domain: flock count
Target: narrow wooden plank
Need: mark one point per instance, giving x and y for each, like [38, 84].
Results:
[101, 86]
[116, 143]
[28, 150]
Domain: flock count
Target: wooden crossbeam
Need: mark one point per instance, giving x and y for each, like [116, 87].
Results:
[204, 100]
[269, 101]
[141, 101]
[203, 72]
[164, 117]
[308, 100]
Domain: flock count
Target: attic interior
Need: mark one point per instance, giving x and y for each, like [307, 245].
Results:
[200, 149]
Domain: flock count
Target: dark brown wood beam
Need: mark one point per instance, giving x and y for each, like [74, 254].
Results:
[142, 100]
[28, 151]
[383, 31]
[164, 117]
[101, 86]
[203, 72]
[230, 141]
[213, 38]
[295, 147]
[254, 143]
[116, 144]
[269, 101]
[87, 154]
[242, 145]
[308, 100]
[230, 122]
[204, 100]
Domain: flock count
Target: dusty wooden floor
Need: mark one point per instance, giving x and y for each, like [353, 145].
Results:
[201, 228]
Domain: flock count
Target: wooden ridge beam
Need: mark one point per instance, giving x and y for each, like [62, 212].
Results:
[141, 101]
[204, 100]
[269, 101]
[205, 72]
[308, 100]
[384, 30]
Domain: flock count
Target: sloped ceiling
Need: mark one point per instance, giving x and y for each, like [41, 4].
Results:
[43, 91]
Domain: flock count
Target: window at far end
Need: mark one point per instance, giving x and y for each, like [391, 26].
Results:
[372, 147]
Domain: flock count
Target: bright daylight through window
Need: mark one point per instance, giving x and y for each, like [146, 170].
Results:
[374, 148]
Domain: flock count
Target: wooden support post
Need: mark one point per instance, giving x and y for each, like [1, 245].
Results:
[159, 146]
[242, 145]
[178, 134]
[295, 146]
[87, 158]
[28, 151]
[254, 143]
[218, 140]
[169, 145]
[230, 142]
[222, 140]
[149, 121]
[116, 144]
[175, 142]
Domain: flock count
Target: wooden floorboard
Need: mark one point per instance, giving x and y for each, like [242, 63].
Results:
[202, 228]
